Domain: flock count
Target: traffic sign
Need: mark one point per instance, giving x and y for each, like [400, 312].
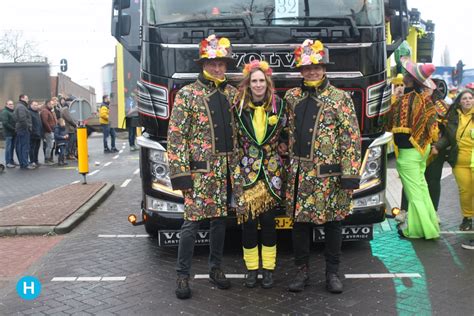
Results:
[63, 64]
[80, 110]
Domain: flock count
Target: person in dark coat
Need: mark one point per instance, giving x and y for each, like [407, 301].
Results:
[23, 128]
[325, 158]
[201, 157]
[61, 137]
[36, 133]
[8, 122]
[71, 125]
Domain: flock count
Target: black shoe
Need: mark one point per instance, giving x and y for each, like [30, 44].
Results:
[218, 278]
[333, 283]
[251, 278]
[182, 288]
[267, 282]
[466, 224]
[300, 281]
[107, 151]
[469, 245]
[114, 150]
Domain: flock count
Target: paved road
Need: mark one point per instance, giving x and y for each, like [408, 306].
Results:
[131, 275]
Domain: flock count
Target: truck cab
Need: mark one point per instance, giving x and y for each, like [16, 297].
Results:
[354, 31]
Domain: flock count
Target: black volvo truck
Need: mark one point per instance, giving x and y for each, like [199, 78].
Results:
[165, 40]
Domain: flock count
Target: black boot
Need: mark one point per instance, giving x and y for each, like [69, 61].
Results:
[217, 277]
[267, 282]
[251, 278]
[301, 280]
[333, 283]
[182, 288]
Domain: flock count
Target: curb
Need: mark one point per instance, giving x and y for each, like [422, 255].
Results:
[68, 224]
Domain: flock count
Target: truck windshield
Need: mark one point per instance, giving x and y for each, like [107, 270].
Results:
[267, 12]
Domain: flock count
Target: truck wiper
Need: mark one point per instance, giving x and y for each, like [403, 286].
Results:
[323, 21]
[245, 21]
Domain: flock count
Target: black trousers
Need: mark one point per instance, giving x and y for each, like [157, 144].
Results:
[333, 242]
[35, 144]
[268, 230]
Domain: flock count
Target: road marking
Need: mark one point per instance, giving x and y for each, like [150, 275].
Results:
[123, 236]
[67, 168]
[455, 232]
[382, 275]
[88, 279]
[228, 275]
[113, 278]
[74, 182]
[93, 172]
[120, 151]
[108, 164]
[136, 171]
[63, 279]
[125, 183]
[115, 157]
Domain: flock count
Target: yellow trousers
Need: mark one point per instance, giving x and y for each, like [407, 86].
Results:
[465, 179]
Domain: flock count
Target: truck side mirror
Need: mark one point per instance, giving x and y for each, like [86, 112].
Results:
[121, 25]
[399, 26]
[121, 4]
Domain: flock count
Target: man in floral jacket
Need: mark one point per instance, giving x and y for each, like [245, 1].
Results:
[325, 157]
[201, 152]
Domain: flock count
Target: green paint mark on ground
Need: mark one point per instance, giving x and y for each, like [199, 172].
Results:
[453, 253]
[398, 256]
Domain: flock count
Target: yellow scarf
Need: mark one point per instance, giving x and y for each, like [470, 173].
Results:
[210, 77]
[259, 121]
[313, 84]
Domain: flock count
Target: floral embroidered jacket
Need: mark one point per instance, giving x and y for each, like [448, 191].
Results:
[325, 153]
[261, 160]
[201, 148]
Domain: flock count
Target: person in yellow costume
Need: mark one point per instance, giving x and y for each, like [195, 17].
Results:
[460, 137]
[260, 115]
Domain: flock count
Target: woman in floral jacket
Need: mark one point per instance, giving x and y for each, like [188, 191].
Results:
[325, 157]
[261, 117]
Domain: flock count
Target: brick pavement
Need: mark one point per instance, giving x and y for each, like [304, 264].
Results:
[49, 208]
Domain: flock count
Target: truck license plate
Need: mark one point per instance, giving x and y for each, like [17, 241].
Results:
[349, 233]
[171, 238]
[283, 222]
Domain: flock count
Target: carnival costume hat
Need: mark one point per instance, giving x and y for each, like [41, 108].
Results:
[398, 80]
[421, 72]
[265, 68]
[311, 53]
[215, 48]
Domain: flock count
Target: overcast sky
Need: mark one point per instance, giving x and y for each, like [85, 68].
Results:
[79, 30]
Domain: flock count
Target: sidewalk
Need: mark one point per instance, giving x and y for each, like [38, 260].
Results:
[56, 211]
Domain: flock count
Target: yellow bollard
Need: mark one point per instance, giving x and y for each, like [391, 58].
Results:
[83, 155]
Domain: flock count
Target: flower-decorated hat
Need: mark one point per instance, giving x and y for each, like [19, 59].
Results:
[311, 53]
[214, 47]
[257, 64]
[421, 72]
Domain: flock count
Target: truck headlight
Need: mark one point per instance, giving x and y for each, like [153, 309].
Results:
[160, 172]
[163, 206]
[371, 200]
[371, 168]
[159, 168]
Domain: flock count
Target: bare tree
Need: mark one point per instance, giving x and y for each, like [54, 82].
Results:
[15, 48]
